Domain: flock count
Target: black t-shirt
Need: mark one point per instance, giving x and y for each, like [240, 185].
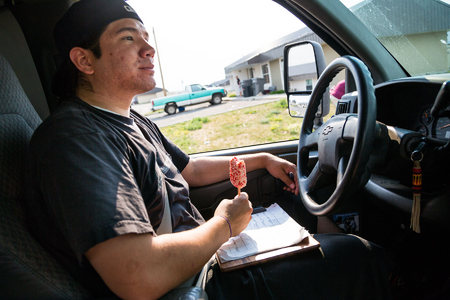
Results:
[94, 177]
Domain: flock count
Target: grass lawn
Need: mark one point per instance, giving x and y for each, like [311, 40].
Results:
[264, 123]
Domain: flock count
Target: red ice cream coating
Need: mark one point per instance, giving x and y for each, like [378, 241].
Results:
[238, 174]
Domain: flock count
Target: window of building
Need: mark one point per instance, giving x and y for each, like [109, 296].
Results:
[265, 73]
[309, 85]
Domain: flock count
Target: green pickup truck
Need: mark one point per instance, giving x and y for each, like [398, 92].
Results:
[194, 94]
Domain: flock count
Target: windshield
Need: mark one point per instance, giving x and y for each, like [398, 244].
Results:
[415, 32]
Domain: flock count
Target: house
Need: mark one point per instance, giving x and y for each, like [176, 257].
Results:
[267, 62]
[302, 77]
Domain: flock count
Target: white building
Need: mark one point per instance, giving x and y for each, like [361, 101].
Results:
[267, 63]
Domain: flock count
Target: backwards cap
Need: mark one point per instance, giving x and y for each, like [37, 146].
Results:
[86, 19]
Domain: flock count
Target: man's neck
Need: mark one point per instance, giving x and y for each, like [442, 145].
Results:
[113, 103]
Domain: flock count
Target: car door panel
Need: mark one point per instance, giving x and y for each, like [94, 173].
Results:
[261, 187]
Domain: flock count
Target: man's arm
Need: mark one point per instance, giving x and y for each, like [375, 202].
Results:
[207, 170]
[144, 266]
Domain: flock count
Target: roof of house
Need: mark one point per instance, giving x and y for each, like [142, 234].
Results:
[154, 91]
[307, 68]
[223, 82]
[273, 50]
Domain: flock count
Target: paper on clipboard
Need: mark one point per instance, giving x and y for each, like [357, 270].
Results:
[268, 230]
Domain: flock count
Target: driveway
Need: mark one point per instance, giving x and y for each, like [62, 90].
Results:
[205, 109]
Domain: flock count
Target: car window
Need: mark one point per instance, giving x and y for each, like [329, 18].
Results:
[196, 87]
[234, 48]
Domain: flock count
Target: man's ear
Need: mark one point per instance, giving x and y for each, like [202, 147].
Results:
[82, 59]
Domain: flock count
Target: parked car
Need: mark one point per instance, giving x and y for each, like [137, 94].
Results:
[396, 54]
[194, 94]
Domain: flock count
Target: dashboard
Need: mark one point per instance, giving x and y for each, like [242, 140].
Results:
[410, 106]
[436, 128]
[407, 104]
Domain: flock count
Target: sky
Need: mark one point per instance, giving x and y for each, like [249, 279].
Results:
[197, 39]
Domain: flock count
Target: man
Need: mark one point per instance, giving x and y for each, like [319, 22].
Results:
[102, 173]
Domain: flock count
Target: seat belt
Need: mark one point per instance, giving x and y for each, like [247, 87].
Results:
[166, 227]
[166, 221]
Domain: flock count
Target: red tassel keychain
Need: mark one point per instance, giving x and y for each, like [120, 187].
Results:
[416, 157]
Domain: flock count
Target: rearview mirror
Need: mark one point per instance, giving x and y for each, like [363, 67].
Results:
[303, 64]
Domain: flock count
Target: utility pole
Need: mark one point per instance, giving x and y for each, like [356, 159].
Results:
[159, 62]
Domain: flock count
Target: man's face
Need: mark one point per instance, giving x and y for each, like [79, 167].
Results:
[126, 62]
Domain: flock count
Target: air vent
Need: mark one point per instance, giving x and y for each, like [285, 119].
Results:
[342, 107]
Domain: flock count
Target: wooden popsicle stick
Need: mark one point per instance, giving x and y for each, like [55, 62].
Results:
[239, 191]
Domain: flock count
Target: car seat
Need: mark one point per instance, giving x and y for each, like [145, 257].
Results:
[27, 271]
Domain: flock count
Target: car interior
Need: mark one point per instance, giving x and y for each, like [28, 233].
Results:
[420, 262]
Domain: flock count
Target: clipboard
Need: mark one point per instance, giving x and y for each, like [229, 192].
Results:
[307, 244]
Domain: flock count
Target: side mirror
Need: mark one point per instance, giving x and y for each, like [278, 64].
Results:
[303, 64]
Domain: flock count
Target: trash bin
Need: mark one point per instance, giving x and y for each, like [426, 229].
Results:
[247, 89]
[258, 85]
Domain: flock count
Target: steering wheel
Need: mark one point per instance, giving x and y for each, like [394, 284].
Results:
[343, 143]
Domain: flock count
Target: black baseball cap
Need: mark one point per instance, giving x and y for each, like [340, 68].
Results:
[80, 26]
[86, 19]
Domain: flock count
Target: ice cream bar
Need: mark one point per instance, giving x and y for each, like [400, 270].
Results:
[238, 174]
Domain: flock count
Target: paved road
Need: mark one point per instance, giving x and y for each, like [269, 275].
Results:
[204, 109]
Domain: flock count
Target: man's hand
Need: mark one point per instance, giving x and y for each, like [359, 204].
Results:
[238, 212]
[280, 168]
